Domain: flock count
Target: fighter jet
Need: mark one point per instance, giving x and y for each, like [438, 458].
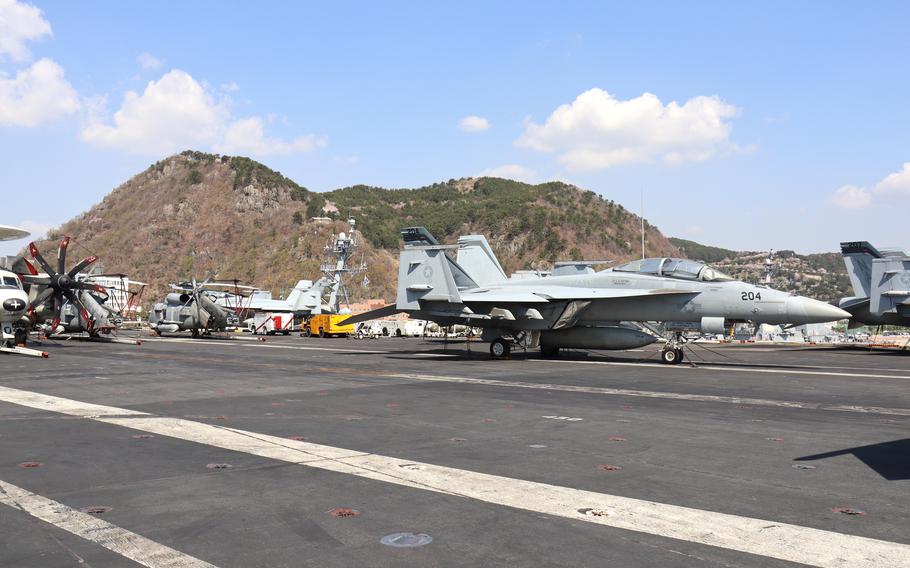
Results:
[191, 308]
[881, 285]
[582, 308]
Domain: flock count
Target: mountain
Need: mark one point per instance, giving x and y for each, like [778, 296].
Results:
[822, 276]
[203, 215]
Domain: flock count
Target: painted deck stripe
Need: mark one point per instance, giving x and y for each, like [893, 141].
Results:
[228, 342]
[123, 542]
[794, 543]
[656, 394]
[732, 369]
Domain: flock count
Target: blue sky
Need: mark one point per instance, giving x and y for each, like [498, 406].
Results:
[776, 125]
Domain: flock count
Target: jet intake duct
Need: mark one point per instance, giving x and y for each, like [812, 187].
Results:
[175, 298]
[613, 337]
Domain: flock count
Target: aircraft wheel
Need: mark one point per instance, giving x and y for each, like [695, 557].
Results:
[549, 351]
[500, 348]
[194, 332]
[671, 356]
[308, 332]
[321, 332]
[21, 336]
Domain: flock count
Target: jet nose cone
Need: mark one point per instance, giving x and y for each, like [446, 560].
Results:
[806, 310]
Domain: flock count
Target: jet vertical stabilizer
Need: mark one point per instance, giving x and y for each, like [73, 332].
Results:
[858, 257]
[477, 259]
[426, 273]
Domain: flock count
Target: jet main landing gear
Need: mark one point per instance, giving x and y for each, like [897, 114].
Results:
[671, 356]
[500, 348]
[672, 353]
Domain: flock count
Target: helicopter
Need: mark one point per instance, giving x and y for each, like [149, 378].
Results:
[191, 307]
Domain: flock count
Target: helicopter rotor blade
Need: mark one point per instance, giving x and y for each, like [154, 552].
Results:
[31, 267]
[41, 298]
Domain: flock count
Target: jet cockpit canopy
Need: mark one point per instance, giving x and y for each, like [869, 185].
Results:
[681, 268]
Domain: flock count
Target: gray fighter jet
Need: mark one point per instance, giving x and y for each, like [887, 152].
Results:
[190, 307]
[881, 285]
[577, 307]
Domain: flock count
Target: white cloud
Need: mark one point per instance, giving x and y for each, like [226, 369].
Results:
[230, 87]
[177, 112]
[173, 113]
[19, 23]
[36, 94]
[854, 197]
[897, 183]
[511, 171]
[598, 131]
[148, 61]
[246, 136]
[473, 124]
[851, 197]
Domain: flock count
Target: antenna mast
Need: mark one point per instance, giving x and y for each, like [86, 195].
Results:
[642, 217]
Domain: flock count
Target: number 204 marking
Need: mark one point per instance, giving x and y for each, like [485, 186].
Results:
[751, 296]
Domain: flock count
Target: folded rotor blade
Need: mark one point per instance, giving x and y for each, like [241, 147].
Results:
[81, 266]
[84, 313]
[61, 254]
[36, 254]
[90, 287]
[42, 297]
[31, 267]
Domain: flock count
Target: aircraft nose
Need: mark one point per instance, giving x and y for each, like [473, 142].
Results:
[806, 310]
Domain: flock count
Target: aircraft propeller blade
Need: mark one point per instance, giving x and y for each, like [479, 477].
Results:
[39, 280]
[36, 254]
[61, 254]
[54, 325]
[82, 265]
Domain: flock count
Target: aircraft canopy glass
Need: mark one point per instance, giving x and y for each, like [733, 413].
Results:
[9, 282]
[681, 268]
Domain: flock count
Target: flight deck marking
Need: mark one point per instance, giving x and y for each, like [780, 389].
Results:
[84, 525]
[709, 367]
[657, 394]
[794, 543]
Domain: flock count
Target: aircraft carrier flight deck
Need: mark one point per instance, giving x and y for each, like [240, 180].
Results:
[239, 453]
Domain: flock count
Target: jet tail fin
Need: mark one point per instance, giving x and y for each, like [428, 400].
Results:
[427, 273]
[476, 257]
[858, 257]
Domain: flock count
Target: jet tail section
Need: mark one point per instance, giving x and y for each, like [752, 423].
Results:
[890, 286]
[426, 273]
[476, 257]
[858, 257]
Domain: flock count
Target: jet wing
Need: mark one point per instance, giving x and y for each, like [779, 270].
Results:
[545, 294]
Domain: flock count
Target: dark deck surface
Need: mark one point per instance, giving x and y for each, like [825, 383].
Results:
[723, 436]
